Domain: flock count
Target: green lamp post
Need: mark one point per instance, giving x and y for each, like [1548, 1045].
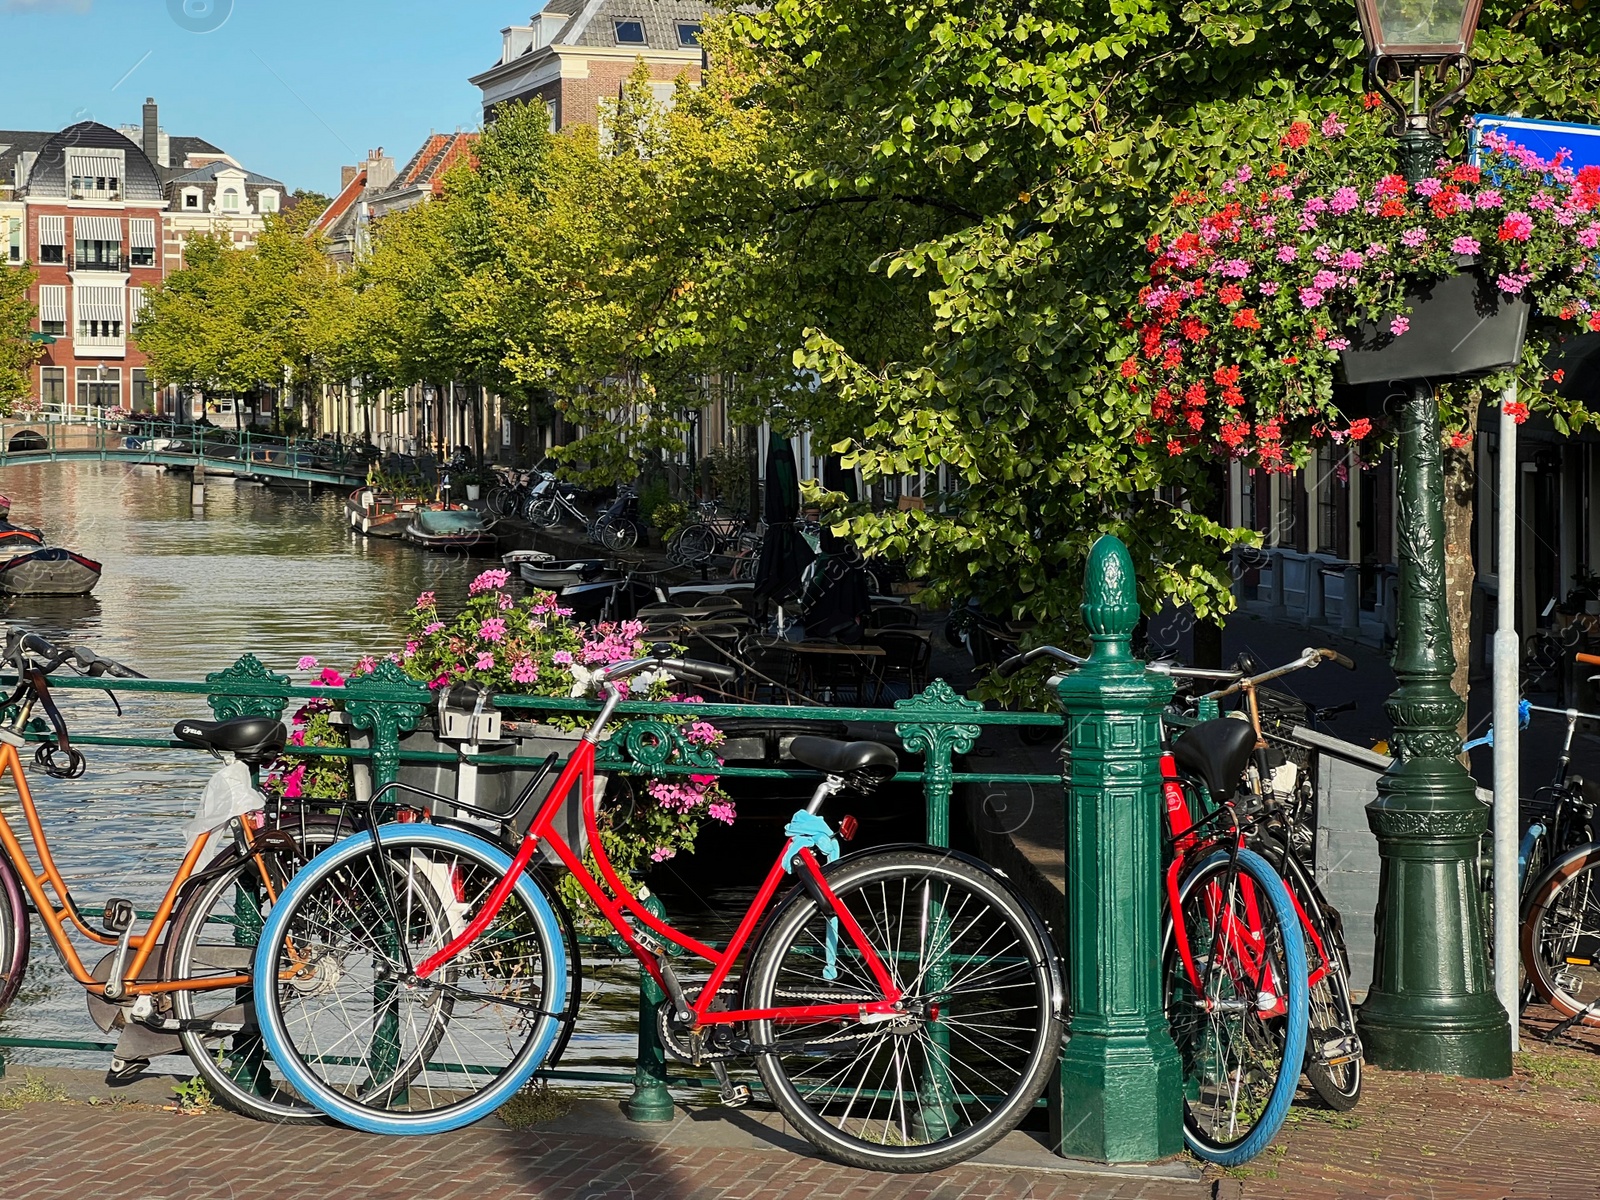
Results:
[1431, 1006]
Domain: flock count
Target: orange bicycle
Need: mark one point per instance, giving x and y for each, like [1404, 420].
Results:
[183, 984]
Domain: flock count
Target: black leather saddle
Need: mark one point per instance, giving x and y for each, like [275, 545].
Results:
[253, 740]
[1215, 752]
[863, 764]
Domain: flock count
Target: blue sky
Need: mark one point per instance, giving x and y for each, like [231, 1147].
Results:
[291, 88]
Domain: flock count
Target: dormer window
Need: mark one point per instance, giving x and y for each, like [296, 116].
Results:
[191, 201]
[629, 33]
[267, 202]
[689, 36]
[230, 200]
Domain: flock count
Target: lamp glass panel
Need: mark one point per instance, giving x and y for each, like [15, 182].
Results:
[1421, 22]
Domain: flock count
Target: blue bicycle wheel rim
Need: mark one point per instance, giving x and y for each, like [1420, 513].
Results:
[336, 1104]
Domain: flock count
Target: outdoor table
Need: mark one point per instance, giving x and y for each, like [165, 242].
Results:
[820, 666]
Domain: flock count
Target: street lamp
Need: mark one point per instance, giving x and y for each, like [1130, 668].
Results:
[1431, 1006]
[1404, 37]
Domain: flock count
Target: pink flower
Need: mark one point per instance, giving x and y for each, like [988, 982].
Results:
[1310, 297]
[1236, 268]
[1339, 343]
[1488, 198]
[1322, 253]
[1510, 284]
[525, 670]
[1399, 325]
[1287, 254]
[1589, 237]
[430, 629]
[489, 581]
[425, 600]
[661, 854]
[308, 663]
[485, 661]
[1465, 245]
[1429, 187]
[1377, 250]
[1344, 200]
[702, 733]
[367, 665]
[328, 678]
[721, 812]
[505, 602]
[1412, 238]
[563, 658]
[1323, 280]
[411, 649]
[1269, 288]
[493, 630]
[1540, 202]
[297, 738]
[1351, 260]
[293, 783]
[1332, 127]
[1517, 227]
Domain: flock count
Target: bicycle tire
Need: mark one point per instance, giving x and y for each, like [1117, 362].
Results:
[696, 545]
[502, 501]
[215, 929]
[14, 933]
[1012, 976]
[546, 514]
[618, 536]
[1282, 1039]
[1333, 1045]
[1560, 935]
[501, 1010]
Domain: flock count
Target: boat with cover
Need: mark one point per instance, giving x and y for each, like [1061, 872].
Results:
[438, 528]
[30, 568]
[373, 513]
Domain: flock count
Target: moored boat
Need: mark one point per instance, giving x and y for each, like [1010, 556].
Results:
[378, 514]
[435, 528]
[49, 571]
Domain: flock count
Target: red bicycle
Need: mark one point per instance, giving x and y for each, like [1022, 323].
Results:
[902, 1005]
[1236, 985]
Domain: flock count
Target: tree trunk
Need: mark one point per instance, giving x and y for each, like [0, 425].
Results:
[1460, 490]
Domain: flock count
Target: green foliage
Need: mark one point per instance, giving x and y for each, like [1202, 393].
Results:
[193, 1095]
[730, 476]
[18, 352]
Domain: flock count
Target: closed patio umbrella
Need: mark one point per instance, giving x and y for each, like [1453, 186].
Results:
[785, 554]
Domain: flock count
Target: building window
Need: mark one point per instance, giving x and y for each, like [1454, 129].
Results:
[99, 387]
[103, 330]
[230, 200]
[97, 256]
[267, 202]
[629, 33]
[53, 387]
[191, 200]
[1329, 493]
[55, 329]
[689, 36]
[56, 255]
[142, 256]
[141, 396]
[14, 240]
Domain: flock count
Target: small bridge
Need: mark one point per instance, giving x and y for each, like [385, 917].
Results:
[244, 452]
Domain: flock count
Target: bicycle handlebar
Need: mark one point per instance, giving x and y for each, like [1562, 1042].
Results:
[1017, 661]
[688, 668]
[21, 647]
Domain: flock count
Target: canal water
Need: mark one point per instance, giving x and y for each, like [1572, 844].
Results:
[271, 572]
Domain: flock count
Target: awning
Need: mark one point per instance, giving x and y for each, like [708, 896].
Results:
[143, 231]
[136, 304]
[52, 231]
[88, 163]
[53, 303]
[99, 304]
[97, 229]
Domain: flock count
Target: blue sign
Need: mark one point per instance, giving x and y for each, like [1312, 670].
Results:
[1544, 138]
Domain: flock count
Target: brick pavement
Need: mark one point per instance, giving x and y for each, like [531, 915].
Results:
[1421, 1136]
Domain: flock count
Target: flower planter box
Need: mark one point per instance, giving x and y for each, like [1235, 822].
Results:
[523, 747]
[1461, 325]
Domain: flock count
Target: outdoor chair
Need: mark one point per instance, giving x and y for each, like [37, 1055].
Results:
[892, 616]
[905, 661]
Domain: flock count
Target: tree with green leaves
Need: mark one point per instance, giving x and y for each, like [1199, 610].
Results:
[18, 351]
[1051, 137]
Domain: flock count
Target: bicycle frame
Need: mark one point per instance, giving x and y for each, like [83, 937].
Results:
[57, 913]
[619, 904]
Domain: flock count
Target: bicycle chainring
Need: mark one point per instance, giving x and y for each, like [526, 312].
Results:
[713, 1043]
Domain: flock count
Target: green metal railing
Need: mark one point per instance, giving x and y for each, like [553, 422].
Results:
[242, 452]
[938, 724]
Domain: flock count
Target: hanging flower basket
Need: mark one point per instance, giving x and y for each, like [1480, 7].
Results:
[1459, 325]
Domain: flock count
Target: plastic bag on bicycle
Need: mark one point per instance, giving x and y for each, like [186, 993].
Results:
[229, 794]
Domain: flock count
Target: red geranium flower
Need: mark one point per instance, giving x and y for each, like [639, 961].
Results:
[1466, 173]
[1393, 208]
[1230, 293]
[1246, 318]
[1298, 137]
[1129, 368]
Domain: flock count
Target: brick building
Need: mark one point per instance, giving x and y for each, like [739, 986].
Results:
[373, 188]
[575, 54]
[100, 220]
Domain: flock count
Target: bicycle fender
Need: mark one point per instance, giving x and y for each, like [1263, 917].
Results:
[14, 898]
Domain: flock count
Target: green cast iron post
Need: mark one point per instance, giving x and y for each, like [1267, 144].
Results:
[651, 1102]
[1120, 1085]
[1432, 1005]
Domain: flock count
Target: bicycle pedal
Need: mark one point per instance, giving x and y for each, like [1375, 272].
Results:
[734, 1095]
[118, 915]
